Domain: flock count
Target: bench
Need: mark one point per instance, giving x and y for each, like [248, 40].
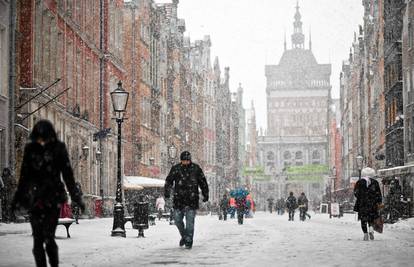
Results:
[67, 222]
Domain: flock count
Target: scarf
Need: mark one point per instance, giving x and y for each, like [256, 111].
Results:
[367, 180]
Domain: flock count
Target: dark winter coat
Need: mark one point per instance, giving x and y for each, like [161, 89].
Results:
[40, 185]
[368, 199]
[303, 201]
[224, 204]
[186, 180]
[241, 204]
[291, 203]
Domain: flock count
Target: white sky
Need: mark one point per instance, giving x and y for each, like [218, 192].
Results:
[248, 34]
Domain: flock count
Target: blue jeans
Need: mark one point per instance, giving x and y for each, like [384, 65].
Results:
[187, 230]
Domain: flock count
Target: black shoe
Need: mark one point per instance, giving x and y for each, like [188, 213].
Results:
[189, 245]
[182, 242]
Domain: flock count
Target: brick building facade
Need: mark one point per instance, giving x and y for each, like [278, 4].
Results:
[61, 40]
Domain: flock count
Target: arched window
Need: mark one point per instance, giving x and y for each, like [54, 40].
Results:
[270, 155]
[316, 154]
[287, 155]
[298, 155]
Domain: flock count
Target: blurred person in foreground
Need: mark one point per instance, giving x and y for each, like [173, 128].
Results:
[41, 191]
[186, 177]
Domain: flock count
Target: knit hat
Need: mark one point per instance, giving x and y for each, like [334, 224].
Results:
[185, 155]
[368, 172]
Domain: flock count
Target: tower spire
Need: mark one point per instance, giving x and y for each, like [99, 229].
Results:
[298, 39]
[310, 38]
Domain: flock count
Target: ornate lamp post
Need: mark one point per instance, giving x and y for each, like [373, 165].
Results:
[119, 102]
[359, 161]
[172, 153]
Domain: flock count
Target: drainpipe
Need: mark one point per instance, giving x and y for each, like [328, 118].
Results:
[133, 91]
[101, 93]
[12, 86]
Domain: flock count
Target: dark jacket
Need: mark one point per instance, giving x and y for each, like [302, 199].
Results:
[224, 204]
[303, 201]
[368, 199]
[241, 203]
[40, 185]
[291, 203]
[186, 180]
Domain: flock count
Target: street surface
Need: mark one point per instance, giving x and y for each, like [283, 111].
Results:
[266, 240]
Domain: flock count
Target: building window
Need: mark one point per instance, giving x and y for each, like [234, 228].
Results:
[270, 155]
[316, 154]
[299, 155]
[287, 155]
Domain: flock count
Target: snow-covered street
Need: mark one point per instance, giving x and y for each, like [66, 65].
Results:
[266, 240]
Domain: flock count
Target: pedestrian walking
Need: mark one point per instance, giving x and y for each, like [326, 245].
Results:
[41, 190]
[186, 177]
[270, 202]
[224, 206]
[291, 205]
[241, 207]
[233, 207]
[303, 206]
[75, 207]
[368, 194]
[281, 205]
[160, 206]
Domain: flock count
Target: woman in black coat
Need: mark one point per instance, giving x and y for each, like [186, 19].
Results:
[41, 190]
[368, 194]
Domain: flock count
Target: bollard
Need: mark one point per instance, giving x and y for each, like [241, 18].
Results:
[140, 220]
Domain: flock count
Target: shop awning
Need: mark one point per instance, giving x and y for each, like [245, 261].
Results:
[140, 182]
[396, 171]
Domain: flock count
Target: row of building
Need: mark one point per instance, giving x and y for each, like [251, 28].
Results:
[375, 114]
[61, 59]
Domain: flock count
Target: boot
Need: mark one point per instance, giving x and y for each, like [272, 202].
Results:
[371, 233]
[366, 237]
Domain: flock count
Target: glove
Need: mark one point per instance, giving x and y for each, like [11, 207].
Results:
[205, 199]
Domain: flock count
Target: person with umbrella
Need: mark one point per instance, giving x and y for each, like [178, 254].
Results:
[241, 205]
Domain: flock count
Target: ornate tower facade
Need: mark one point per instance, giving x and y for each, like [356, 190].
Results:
[298, 92]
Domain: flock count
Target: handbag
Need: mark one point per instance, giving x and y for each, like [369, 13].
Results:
[379, 224]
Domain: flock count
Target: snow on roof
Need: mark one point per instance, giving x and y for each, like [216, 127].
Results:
[140, 182]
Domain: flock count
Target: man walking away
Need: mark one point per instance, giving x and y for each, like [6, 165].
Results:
[303, 206]
[270, 203]
[224, 206]
[368, 194]
[241, 208]
[291, 206]
[186, 177]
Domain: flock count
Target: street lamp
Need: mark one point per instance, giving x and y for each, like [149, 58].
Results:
[359, 161]
[119, 102]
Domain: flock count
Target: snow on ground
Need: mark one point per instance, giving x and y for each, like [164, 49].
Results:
[266, 240]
